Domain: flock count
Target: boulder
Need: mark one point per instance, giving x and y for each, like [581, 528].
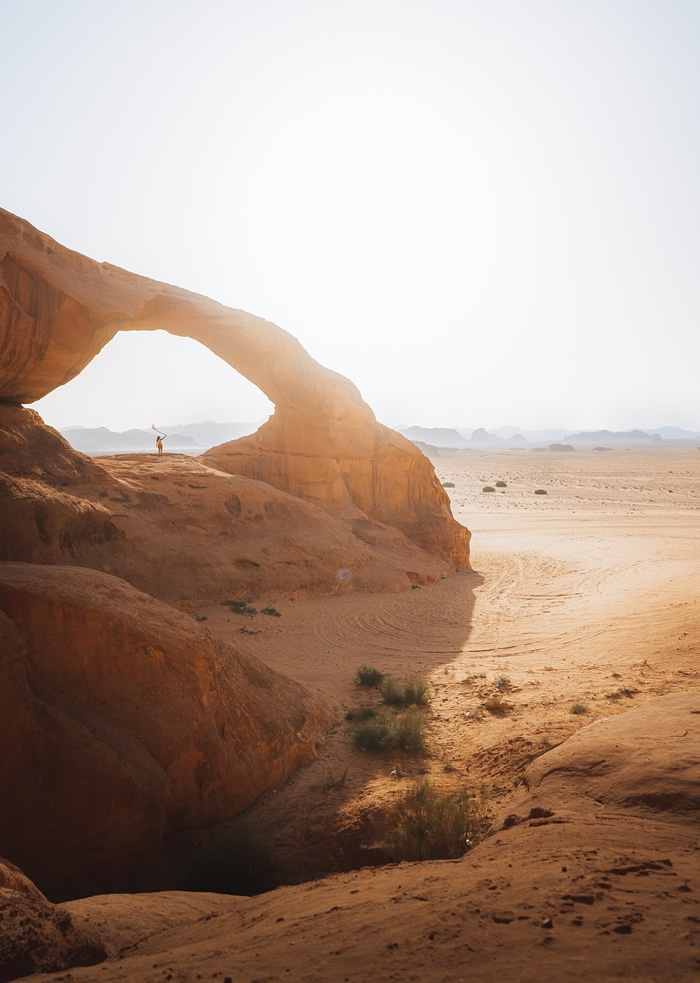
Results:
[121, 721]
[37, 936]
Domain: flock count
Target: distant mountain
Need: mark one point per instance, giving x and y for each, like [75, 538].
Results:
[613, 437]
[181, 436]
[513, 437]
[435, 436]
[93, 440]
[516, 435]
[534, 436]
[210, 434]
[506, 432]
[482, 437]
[517, 440]
[674, 433]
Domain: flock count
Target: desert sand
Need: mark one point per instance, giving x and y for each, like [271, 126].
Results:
[587, 595]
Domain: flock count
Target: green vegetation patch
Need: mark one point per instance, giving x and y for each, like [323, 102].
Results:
[412, 691]
[368, 676]
[360, 713]
[618, 694]
[391, 732]
[427, 825]
[239, 607]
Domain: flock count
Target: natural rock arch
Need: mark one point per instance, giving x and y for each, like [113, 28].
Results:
[58, 309]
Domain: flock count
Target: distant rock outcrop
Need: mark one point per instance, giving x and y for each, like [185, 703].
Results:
[482, 438]
[121, 721]
[615, 436]
[435, 436]
[58, 309]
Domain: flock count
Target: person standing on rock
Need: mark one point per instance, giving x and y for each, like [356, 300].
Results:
[159, 443]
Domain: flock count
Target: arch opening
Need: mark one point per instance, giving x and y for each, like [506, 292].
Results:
[145, 377]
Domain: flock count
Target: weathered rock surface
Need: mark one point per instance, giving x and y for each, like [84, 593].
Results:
[36, 936]
[122, 720]
[181, 530]
[58, 309]
[591, 883]
[646, 761]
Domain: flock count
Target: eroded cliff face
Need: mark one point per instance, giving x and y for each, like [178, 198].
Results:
[58, 309]
[121, 721]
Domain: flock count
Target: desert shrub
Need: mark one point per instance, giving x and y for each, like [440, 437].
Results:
[413, 691]
[425, 825]
[234, 860]
[496, 704]
[239, 607]
[504, 684]
[501, 484]
[406, 731]
[579, 708]
[372, 734]
[360, 713]
[390, 732]
[448, 484]
[622, 691]
[367, 676]
[271, 611]
[540, 491]
[199, 617]
[488, 488]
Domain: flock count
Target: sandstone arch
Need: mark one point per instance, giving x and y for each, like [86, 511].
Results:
[58, 309]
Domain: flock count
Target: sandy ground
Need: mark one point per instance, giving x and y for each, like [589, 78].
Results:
[586, 595]
[575, 595]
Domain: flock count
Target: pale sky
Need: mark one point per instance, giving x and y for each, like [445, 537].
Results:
[483, 212]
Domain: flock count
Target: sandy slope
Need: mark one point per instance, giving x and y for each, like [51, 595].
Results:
[576, 595]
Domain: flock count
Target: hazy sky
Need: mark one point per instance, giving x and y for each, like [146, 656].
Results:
[483, 212]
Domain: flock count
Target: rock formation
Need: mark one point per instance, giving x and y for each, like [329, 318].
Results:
[179, 529]
[58, 309]
[122, 720]
[37, 936]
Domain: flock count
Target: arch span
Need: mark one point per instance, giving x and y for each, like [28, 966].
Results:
[58, 309]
